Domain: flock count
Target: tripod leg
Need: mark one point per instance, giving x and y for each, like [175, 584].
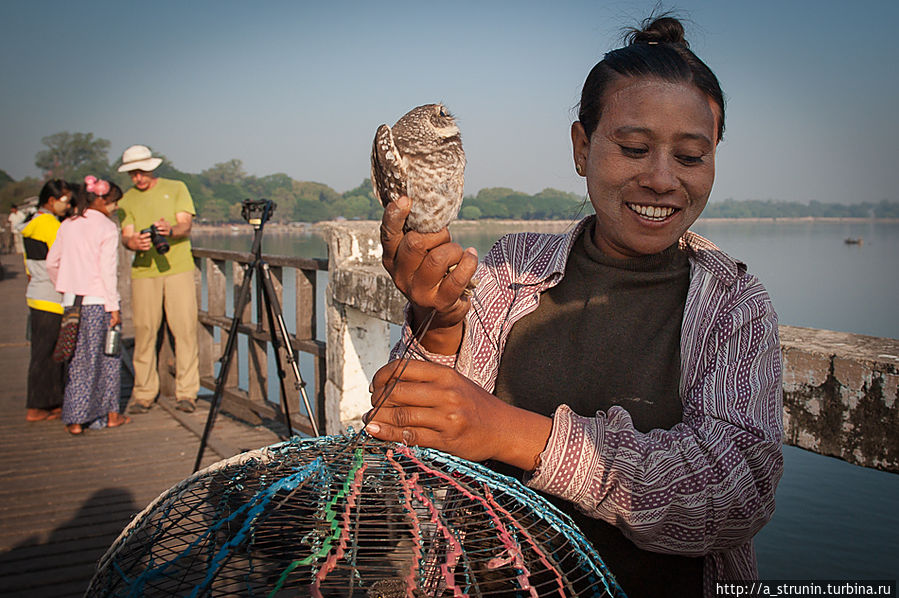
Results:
[243, 297]
[276, 344]
[275, 307]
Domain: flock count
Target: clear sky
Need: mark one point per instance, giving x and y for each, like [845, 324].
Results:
[300, 87]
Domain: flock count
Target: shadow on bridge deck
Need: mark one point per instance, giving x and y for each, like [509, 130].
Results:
[63, 498]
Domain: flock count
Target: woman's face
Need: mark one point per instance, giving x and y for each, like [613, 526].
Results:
[107, 207]
[59, 205]
[650, 163]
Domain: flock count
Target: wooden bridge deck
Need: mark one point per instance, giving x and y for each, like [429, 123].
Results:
[63, 498]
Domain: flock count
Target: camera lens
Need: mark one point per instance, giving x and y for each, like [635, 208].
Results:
[158, 241]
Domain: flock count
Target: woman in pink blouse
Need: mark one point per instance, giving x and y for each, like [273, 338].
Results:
[628, 368]
[83, 261]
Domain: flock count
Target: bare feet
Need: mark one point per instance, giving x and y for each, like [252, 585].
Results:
[38, 415]
[74, 429]
[115, 420]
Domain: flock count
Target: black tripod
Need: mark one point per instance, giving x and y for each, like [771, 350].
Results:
[257, 213]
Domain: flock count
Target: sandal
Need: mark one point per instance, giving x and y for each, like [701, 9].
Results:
[74, 429]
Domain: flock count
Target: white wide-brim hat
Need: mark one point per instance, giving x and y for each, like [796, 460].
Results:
[138, 157]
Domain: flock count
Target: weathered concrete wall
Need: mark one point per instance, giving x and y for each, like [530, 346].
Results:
[361, 300]
[840, 395]
[840, 390]
[356, 276]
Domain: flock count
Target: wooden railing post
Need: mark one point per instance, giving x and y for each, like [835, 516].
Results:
[215, 304]
[232, 382]
[305, 303]
[277, 276]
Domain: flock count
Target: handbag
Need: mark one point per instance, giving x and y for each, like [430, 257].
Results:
[68, 332]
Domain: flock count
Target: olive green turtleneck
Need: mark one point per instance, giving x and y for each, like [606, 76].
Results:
[608, 334]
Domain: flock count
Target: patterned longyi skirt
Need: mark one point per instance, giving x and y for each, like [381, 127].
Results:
[92, 390]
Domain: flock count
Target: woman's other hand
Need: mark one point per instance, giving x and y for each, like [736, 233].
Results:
[115, 318]
[435, 406]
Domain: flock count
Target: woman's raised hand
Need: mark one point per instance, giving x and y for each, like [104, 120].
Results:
[432, 272]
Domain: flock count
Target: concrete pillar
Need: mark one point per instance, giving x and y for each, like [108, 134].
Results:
[358, 345]
[361, 301]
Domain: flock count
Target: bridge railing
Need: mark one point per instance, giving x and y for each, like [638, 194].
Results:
[841, 390]
[252, 402]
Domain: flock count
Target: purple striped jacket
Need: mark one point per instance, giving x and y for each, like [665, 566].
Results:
[706, 486]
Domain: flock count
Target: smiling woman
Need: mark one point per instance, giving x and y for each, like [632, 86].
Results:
[649, 165]
[629, 369]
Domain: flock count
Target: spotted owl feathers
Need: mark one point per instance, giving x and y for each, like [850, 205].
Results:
[421, 157]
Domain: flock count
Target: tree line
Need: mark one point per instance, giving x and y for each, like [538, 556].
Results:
[769, 208]
[219, 190]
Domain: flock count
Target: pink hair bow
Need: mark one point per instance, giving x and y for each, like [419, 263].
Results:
[98, 187]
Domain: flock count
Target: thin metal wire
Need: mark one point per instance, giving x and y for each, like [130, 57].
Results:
[398, 371]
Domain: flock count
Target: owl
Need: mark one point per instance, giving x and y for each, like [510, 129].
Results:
[421, 157]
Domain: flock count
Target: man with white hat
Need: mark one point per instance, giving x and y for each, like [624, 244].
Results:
[161, 281]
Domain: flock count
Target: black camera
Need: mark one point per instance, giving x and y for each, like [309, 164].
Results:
[258, 211]
[158, 241]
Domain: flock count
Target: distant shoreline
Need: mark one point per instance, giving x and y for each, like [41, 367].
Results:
[539, 225]
[800, 219]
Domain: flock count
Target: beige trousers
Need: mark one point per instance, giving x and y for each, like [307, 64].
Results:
[176, 294]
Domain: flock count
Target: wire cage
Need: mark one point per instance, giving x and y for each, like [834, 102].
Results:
[350, 516]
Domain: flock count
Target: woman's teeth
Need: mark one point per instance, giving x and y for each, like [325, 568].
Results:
[657, 213]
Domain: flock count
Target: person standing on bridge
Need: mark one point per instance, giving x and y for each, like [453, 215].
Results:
[46, 377]
[16, 221]
[162, 277]
[84, 261]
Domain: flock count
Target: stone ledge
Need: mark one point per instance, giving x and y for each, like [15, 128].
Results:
[858, 347]
[840, 395]
[368, 289]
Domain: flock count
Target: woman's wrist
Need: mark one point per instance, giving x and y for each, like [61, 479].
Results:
[522, 437]
[443, 340]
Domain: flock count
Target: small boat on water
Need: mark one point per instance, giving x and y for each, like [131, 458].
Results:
[853, 241]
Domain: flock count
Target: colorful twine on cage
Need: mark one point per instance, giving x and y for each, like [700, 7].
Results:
[330, 516]
[253, 508]
[411, 487]
[335, 556]
[508, 541]
[540, 554]
[413, 519]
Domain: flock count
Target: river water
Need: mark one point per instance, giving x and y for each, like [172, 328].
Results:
[833, 520]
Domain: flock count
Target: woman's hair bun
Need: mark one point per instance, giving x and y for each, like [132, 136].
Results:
[660, 30]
